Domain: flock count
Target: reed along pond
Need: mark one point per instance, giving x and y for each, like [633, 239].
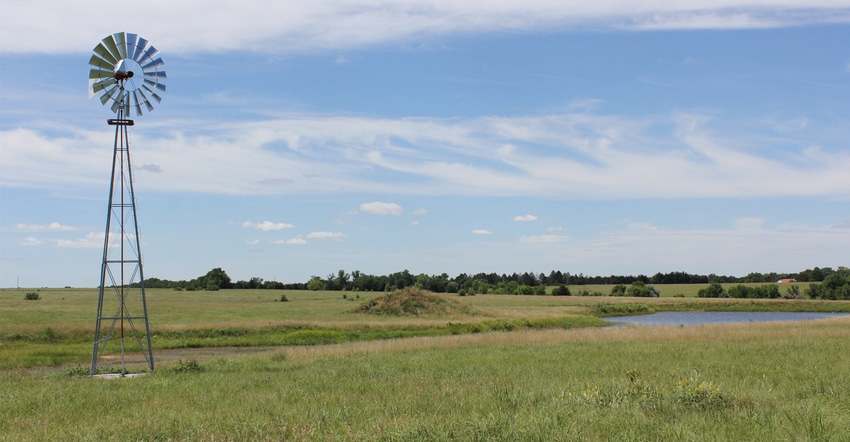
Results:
[699, 318]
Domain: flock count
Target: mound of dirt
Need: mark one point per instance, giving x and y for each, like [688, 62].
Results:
[414, 302]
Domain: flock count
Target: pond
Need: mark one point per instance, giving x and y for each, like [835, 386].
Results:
[698, 318]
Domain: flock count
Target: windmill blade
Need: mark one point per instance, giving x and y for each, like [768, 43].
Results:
[121, 42]
[120, 102]
[109, 42]
[137, 104]
[141, 43]
[100, 63]
[99, 73]
[104, 53]
[98, 86]
[158, 86]
[131, 45]
[145, 100]
[155, 74]
[150, 53]
[109, 94]
[153, 94]
[153, 64]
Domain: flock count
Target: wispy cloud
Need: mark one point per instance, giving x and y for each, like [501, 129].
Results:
[545, 239]
[57, 227]
[292, 241]
[91, 241]
[481, 232]
[266, 226]
[378, 208]
[290, 26]
[326, 235]
[573, 155]
[30, 241]
[525, 218]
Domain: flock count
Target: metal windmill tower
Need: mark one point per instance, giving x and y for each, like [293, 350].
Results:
[126, 73]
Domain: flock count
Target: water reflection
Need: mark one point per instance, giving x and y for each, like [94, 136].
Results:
[697, 318]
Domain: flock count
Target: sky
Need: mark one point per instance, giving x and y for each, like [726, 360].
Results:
[299, 138]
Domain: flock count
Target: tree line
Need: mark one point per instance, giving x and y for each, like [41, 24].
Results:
[526, 283]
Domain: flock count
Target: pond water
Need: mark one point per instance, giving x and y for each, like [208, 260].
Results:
[697, 318]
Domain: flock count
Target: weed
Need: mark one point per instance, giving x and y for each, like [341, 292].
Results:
[691, 392]
[190, 366]
[621, 309]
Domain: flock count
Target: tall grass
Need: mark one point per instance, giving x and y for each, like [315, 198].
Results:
[764, 382]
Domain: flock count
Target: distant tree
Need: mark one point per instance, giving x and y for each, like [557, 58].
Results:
[214, 279]
[316, 283]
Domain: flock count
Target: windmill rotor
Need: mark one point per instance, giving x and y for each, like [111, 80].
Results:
[127, 73]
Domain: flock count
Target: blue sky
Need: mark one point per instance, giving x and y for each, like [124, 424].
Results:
[295, 140]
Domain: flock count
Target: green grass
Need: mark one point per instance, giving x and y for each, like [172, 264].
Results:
[713, 383]
[240, 365]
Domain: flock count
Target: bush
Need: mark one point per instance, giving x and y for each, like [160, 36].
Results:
[639, 289]
[32, 296]
[714, 290]
[561, 290]
[621, 309]
[190, 366]
[283, 298]
[618, 290]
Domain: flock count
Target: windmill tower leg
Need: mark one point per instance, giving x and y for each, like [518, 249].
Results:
[122, 314]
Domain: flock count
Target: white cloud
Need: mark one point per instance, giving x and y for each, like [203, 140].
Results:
[291, 26]
[543, 239]
[267, 226]
[293, 241]
[326, 235]
[54, 226]
[481, 232]
[555, 229]
[378, 208]
[420, 212]
[252, 242]
[30, 241]
[525, 218]
[91, 241]
[564, 156]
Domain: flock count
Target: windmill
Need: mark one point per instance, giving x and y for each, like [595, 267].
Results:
[126, 74]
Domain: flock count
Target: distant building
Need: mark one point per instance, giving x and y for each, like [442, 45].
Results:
[785, 281]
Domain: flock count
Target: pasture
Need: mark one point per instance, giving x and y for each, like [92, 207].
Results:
[522, 368]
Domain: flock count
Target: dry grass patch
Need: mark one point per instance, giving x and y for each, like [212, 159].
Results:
[411, 301]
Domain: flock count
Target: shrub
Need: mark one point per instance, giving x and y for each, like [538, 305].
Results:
[190, 366]
[621, 309]
[283, 298]
[639, 289]
[561, 290]
[714, 290]
[32, 296]
[618, 290]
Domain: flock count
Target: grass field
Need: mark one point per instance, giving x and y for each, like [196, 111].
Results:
[562, 380]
